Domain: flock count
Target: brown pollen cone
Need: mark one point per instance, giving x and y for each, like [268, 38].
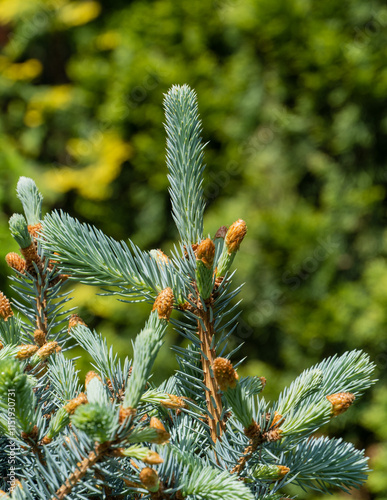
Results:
[73, 404]
[39, 337]
[15, 261]
[149, 478]
[26, 351]
[224, 374]
[47, 349]
[341, 401]
[31, 255]
[235, 235]
[164, 303]
[34, 229]
[75, 320]
[206, 252]
[5, 307]
[174, 402]
[253, 431]
[162, 435]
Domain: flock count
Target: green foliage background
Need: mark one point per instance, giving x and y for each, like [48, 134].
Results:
[292, 94]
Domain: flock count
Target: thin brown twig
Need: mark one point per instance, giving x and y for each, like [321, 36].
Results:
[81, 471]
[256, 438]
[206, 332]
[41, 306]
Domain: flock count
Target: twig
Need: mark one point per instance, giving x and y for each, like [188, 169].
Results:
[208, 355]
[84, 466]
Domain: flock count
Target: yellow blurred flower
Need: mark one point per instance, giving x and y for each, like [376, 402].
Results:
[78, 13]
[33, 118]
[104, 152]
[14, 10]
[108, 40]
[26, 70]
[56, 97]
[11, 10]
[47, 99]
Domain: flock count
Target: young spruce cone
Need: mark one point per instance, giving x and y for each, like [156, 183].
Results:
[164, 303]
[15, 261]
[235, 235]
[206, 252]
[75, 320]
[34, 229]
[39, 337]
[5, 307]
[26, 351]
[341, 401]
[224, 374]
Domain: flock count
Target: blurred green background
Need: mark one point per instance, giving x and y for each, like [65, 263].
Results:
[292, 94]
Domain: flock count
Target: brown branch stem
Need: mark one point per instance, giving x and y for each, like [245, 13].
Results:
[78, 474]
[213, 399]
[41, 305]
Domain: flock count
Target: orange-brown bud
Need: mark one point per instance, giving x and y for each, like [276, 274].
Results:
[160, 256]
[34, 229]
[39, 337]
[273, 435]
[221, 232]
[89, 376]
[75, 320]
[224, 374]
[47, 349]
[253, 431]
[46, 440]
[33, 434]
[31, 255]
[126, 413]
[206, 252]
[164, 303]
[162, 435]
[282, 471]
[1, 345]
[235, 235]
[174, 402]
[152, 458]
[5, 307]
[341, 401]
[26, 351]
[277, 420]
[150, 479]
[73, 404]
[15, 261]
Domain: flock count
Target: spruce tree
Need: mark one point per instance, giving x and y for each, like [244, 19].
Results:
[204, 433]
